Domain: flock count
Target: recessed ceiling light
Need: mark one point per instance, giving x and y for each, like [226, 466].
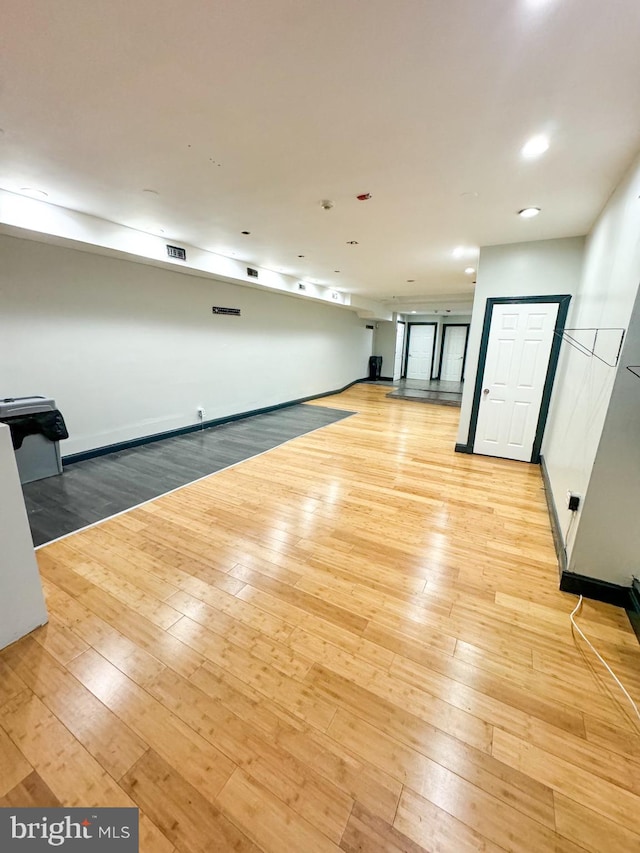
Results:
[245, 232]
[468, 252]
[151, 192]
[535, 147]
[470, 270]
[301, 256]
[33, 193]
[410, 280]
[414, 312]
[529, 212]
[352, 242]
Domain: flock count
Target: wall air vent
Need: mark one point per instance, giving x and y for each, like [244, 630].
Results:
[230, 312]
[368, 327]
[177, 252]
[252, 273]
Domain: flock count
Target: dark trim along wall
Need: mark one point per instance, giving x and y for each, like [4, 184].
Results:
[158, 436]
[598, 590]
[556, 530]
[609, 593]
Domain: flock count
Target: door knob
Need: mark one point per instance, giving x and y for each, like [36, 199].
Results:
[485, 391]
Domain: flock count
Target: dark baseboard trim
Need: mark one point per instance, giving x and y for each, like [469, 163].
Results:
[627, 597]
[634, 618]
[464, 448]
[609, 593]
[386, 378]
[633, 612]
[556, 529]
[159, 436]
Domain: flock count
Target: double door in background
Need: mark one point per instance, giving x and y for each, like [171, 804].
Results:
[421, 346]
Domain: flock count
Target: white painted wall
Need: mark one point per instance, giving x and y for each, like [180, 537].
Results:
[607, 541]
[22, 605]
[519, 269]
[129, 350]
[582, 395]
[384, 344]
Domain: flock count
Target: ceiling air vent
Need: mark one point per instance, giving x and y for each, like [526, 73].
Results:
[229, 312]
[252, 273]
[177, 252]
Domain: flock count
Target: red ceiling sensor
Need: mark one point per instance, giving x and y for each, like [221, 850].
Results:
[364, 196]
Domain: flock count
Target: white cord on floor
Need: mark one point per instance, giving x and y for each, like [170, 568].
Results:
[600, 658]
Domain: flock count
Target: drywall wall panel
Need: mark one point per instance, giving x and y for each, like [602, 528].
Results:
[519, 269]
[583, 389]
[607, 542]
[129, 350]
[22, 605]
[384, 344]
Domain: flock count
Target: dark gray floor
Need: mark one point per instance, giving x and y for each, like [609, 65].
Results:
[428, 391]
[97, 488]
[444, 398]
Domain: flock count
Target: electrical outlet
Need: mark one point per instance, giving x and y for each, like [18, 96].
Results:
[573, 501]
[201, 413]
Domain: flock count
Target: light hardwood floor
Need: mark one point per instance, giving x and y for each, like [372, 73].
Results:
[352, 642]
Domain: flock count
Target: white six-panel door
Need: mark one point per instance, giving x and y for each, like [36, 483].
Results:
[420, 355]
[455, 341]
[520, 340]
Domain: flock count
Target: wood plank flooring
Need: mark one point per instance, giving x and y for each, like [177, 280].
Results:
[354, 642]
[95, 489]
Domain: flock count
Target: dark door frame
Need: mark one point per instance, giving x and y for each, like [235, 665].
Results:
[563, 301]
[446, 326]
[433, 349]
[404, 340]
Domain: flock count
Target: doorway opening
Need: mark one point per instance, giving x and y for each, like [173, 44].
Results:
[519, 352]
[453, 352]
[421, 346]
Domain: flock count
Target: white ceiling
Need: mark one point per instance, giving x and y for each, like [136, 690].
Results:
[245, 114]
